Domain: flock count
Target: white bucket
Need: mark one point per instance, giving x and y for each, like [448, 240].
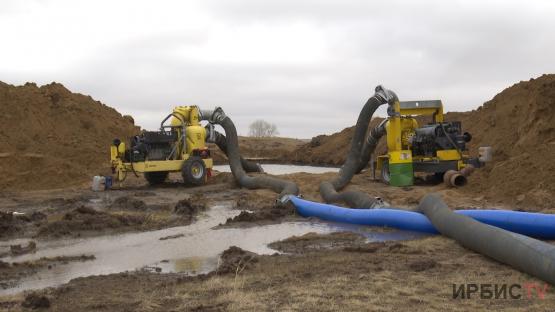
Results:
[98, 183]
[485, 153]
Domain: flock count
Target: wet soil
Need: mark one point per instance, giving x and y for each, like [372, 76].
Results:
[313, 242]
[313, 271]
[81, 212]
[259, 208]
[10, 273]
[384, 276]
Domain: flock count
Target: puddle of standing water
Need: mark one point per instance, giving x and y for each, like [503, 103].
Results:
[194, 250]
[284, 169]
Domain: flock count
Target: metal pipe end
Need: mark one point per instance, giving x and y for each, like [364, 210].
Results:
[454, 178]
[458, 180]
[213, 116]
[387, 96]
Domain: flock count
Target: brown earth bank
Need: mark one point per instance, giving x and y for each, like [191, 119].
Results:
[351, 275]
[65, 135]
[517, 123]
[264, 149]
[53, 138]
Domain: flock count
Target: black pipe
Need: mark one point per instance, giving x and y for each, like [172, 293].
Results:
[280, 186]
[370, 144]
[523, 253]
[356, 199]
[249, 166]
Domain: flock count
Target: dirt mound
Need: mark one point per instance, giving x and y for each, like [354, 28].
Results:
[86, 219]
[52, 138]
[8, 224]
[258, 208]
[128, 203]
[235, 260]
[188, 208]
[273, 214]
[329, 150]
[518, 123]
[313, 241]
[268, 149]
[36, 301]
[11, 224]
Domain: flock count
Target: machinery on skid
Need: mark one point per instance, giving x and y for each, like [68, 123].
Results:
[438, 147]
[177, 147]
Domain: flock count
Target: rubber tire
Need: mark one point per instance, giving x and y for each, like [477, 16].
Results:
[188, 174]
[384, 174]
[156, 177]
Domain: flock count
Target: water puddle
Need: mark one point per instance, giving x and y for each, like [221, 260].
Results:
[191, 249]
[285, 169]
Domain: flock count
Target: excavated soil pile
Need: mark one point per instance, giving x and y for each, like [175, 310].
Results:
[265, 149]
[518, 123]
[52, 138]
[326, 150]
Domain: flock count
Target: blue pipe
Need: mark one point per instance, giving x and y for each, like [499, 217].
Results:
[537, 225]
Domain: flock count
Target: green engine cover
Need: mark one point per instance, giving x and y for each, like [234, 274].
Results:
[401, 174]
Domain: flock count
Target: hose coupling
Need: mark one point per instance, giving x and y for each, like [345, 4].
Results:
[213, 116]
[386, 95]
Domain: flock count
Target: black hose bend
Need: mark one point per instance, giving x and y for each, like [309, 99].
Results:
[356, 199]
[370, 144]
[249, 166]
[280, 186]
[523, 253]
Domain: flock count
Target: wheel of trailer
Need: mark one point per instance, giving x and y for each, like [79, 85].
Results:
[385, 172]
[194, 171]
[156, 177]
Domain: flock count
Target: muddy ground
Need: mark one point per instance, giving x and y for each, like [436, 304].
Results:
[339, 271]
[392, 276]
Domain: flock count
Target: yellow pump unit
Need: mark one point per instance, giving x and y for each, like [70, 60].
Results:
[437, 147]
[178, 147]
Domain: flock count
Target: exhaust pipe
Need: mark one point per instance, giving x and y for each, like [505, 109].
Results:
[458, 178]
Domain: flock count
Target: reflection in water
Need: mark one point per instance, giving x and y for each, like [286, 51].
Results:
[191, 264]
[195, 250]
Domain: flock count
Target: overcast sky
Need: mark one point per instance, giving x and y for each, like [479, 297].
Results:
[307, 66]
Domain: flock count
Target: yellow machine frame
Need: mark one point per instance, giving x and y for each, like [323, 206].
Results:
[191, 136]
[400, 127]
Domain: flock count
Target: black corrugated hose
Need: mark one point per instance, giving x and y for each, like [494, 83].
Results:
[280, 186]
[356, 160]
[523, 253]
[249, 166]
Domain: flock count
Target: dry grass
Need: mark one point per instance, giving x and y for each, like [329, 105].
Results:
[341, 281]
